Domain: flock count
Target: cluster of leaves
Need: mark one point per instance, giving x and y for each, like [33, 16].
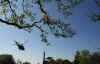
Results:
[96, 16]
[50, 60]
[65, 6]
[20, 14]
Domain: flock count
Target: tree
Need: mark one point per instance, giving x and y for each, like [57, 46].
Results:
[59, 61]
[62, 61]
[20, 14]
[77, 58]
[96, 15]
[95, 58]
[85, 57]
[67, 62]
[26, 63]
[50, 60]
[7, 59]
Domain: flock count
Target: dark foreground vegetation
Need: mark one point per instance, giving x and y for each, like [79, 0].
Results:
[81, 57]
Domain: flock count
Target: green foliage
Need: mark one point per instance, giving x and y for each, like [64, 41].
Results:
[59, 61]
[95, 58]
[82, 57]
[85, 57]
[77, 58]
[26, 63]
[67, 62]
[62, 61]
[50, 60]
[85, 53]
[4, 10]
[20, 14]
[65, 6]
[95, 16]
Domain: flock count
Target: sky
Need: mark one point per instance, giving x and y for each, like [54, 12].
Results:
[87, 37]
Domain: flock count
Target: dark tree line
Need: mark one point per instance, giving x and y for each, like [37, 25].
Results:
[82, 57]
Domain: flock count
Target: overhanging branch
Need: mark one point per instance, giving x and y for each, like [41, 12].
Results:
[17, 25]
[8, 23]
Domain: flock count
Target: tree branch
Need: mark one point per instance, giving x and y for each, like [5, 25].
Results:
[14, 24]
[19, 26]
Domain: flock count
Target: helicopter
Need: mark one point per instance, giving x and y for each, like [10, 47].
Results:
[20, 45]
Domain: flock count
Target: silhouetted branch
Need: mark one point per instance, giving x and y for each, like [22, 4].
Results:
[19, 26]
[6, 22]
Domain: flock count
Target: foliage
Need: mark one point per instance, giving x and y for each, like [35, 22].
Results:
[81, 57]
[21, 14]
[50, 60]
[85, 57]
[96, 15]
[95, 58]
[26, 63]
[6, 59]
[77, 58]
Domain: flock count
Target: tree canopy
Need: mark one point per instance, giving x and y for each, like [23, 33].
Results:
[95, 16]
[20, 14]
